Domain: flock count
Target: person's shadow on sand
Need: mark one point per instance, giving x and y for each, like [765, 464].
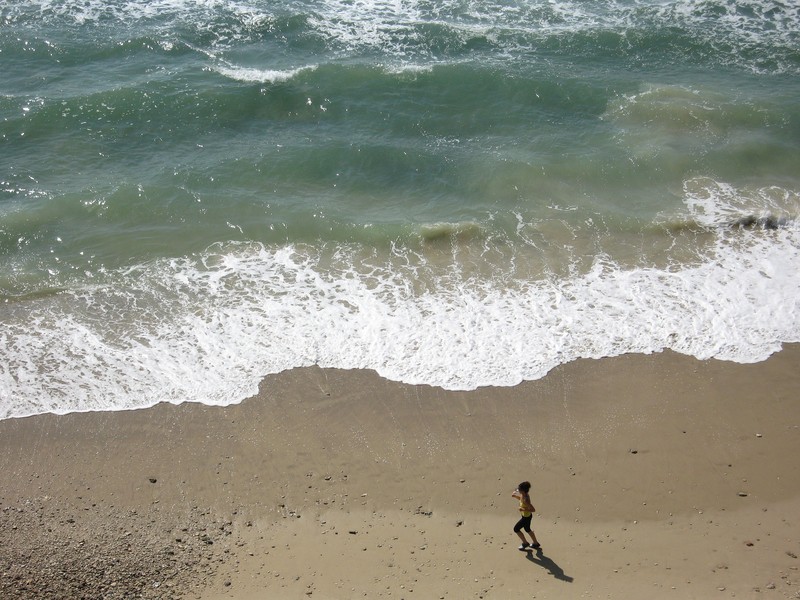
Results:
[548, 563]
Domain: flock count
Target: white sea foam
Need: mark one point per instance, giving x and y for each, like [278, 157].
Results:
[209, 329]
[260, 75]
[761, 34]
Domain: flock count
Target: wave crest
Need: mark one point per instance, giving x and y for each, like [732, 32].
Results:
[252, 75]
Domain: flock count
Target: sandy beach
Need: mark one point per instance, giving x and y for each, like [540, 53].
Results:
[655, 476]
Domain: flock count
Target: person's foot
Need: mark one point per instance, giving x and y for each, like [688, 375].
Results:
[536, 546]
[524, 546]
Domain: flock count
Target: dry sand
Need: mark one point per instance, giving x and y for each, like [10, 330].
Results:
[653, 477]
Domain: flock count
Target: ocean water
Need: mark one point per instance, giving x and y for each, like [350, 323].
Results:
[197, 193]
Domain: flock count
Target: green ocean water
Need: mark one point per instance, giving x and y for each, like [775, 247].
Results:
[195, 194]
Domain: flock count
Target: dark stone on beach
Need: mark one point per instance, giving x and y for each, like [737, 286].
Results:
[153, 480]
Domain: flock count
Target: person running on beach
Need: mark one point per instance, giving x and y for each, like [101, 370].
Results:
[526, 509]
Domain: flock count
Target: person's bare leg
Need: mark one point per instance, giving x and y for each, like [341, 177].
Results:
[535, 542]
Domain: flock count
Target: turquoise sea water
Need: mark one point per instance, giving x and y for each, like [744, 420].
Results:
[194, 194]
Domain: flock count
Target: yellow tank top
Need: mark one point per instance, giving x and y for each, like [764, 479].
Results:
[523, 505]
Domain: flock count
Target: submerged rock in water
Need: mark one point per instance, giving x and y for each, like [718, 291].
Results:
[754, 222]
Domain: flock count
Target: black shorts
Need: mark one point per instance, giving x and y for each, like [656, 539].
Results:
[524, 523]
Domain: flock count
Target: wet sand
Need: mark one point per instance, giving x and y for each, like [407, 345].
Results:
[653, 476]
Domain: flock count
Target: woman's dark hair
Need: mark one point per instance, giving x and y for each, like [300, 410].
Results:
[525, 486]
